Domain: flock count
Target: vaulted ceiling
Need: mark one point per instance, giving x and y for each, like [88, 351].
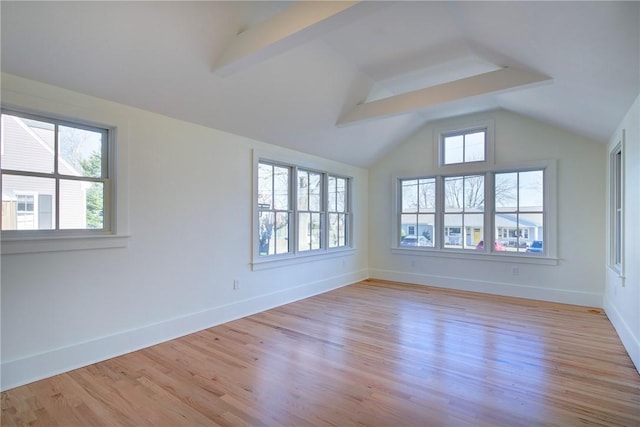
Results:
[343, 80]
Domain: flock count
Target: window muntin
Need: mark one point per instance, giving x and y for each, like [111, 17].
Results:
[464, 147]
[417, 220]
[317, 220]
[464, 211]
[63, 165]
[519, 210]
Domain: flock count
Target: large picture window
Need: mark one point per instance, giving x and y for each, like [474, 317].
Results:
[460, 213]
[300, 210]
[55, 176]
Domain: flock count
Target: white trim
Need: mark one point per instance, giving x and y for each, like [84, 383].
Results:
[588, 299]
[624, 331]
[63, 243]
[34, 367]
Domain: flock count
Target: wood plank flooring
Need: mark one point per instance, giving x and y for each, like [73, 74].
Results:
[373, 353]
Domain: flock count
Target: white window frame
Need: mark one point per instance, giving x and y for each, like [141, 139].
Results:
[112, 236]
[549, 257]
[296, 256]
[455, 168]
[616, 207]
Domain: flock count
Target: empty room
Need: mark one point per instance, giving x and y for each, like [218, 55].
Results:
[318, 213]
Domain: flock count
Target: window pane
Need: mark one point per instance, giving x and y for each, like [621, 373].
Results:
[281, 241]
[453, 194]
[474, 224]
[506, 192]
[303, 190]
[410, 195]
[341, 197]
[453, 231]
[308, 231]
[474, 147]
[531, 191]
[474, 193]
[266, 220]
[81, 205]
[331, 194]
[27, 145]
[281, 188]
[427, 195]
[315, 191]
[337, 230]
[28, 203]
[80, 152]
[453, 149]
[424, 230]
[265, 186]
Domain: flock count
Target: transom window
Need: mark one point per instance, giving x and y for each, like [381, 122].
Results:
[464, 147]
[55, 175]
[318, 220]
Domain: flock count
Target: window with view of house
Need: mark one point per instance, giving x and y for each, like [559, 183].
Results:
[300, 210]
[55, 176]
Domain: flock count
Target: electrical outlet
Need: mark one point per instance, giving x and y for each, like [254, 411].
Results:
[236, 284]
[515, 270]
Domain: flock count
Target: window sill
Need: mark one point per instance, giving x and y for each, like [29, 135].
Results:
[522, 258]
[287, 260]
[62, 243]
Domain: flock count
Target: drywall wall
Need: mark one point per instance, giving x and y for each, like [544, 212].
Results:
[185, 204]
[577, 277]
[622, 297]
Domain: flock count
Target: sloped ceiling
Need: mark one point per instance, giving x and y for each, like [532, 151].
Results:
[346, 81]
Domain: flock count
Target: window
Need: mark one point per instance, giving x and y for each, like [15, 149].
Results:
[450, 214]
[519, 217]
[55, 176]
[417, 221]
[616, 208]
[463, 147]
[464, 210]
[319, 219]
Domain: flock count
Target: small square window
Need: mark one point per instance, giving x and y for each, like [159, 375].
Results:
[464, 147]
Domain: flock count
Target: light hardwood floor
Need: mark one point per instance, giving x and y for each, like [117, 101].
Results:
[373, 353]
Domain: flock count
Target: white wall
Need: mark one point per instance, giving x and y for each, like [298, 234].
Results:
[189, 220]
[622, 297]
[578, 276]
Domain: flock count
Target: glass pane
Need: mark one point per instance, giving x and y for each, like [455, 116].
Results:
[266, 220]
[27, 145]
[453, 149]
[80, 152]
[453, 194]
[28, 203]
[265, 186]
[337, 230]
[410, 195]
[315, 191]
[281, 241]
[81, 205]
[474, 147]
[473, 230]
[424, 230]
[453, 226]
[531, 233]
[531, 191]
[331, 194]
[281, 188]
[427, 195]
[303, 190]
[341, 199]
[506, 192]
[474, 193]
[308, 231]
[408, 227]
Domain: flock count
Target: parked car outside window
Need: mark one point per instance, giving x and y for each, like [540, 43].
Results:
[536, 247]
[413, 240]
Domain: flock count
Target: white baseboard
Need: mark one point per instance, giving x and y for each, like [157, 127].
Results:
[630, 342]
[36, 367]
[590, 299]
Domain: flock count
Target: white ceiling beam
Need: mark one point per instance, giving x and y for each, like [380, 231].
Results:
[291, 28]
[504, 79]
